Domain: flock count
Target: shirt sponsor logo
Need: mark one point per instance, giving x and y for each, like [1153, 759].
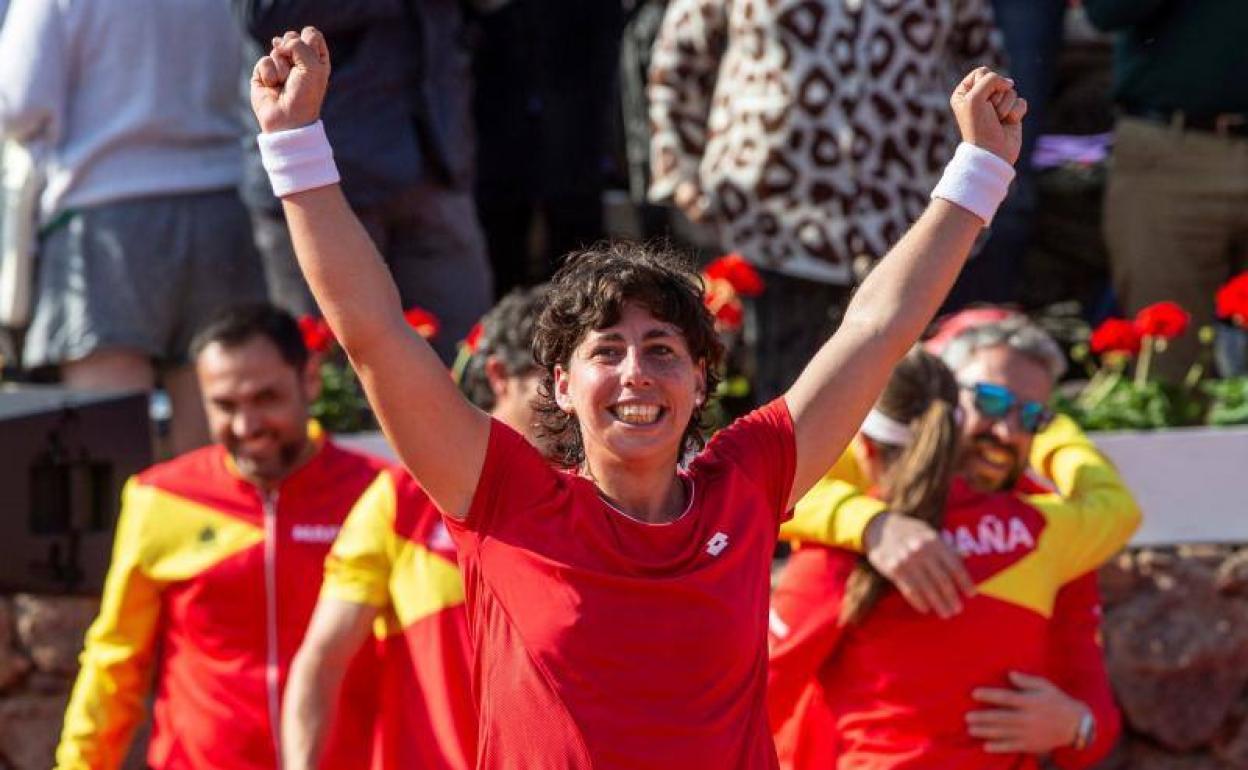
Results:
[314, 533]
[990, 537]
[716, 545]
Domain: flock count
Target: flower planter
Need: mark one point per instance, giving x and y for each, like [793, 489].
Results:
[1192, 483]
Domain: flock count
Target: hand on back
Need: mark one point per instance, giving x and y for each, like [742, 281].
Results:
[913, 557]
[288, 85]
[990, 113]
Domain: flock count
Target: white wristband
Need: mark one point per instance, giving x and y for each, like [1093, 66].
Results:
[298, 159]
[975, 179]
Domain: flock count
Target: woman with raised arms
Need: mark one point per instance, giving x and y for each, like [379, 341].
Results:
[619, 605]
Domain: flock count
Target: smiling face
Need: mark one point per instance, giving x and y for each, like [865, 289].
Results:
[632, 387]
[995, 451]
[257, 406]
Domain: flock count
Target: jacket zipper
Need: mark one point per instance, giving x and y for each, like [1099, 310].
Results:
[272, 673]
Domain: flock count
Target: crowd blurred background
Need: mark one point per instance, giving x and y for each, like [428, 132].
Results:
[481, 140]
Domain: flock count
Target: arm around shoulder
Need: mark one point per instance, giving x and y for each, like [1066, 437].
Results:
[1093, 513]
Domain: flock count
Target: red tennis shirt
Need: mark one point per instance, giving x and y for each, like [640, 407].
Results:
[606, 642]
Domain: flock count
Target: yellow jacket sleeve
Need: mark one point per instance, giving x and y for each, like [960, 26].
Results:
[835, 511]
[1093, 515]
[108, 698]
[360, 564]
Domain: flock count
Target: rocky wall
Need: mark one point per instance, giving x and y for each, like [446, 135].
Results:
[40, 638]
[1176, 640]
[1176, 637]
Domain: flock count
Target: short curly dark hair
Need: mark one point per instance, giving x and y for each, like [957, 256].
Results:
[506, 334]
[589, 292]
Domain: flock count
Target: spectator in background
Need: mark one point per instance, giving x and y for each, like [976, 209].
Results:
[545, 77]
[399, 116]
[1001, 453]
[216, 567]
[1176, 207]
[143, 232]
[811, 137]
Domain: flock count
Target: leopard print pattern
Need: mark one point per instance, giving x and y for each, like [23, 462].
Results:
[816, 128]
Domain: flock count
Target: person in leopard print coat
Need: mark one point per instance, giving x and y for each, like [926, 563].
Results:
[810, 133]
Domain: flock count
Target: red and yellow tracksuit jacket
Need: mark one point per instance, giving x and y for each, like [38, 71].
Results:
[210, 589]
[395, 554]
[893, 693]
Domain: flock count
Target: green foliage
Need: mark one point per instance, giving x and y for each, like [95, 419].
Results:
[1228, 401]
[1118, 402]
[341, 407]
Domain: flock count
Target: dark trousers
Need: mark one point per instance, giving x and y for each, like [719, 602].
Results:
[786, 325]
[1033, 35]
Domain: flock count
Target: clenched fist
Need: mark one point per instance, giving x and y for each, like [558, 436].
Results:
[990, 113]
[288, 85]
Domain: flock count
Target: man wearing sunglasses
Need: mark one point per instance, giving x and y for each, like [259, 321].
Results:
[1007, 368]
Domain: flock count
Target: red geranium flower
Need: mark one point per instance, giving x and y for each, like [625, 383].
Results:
[1165, 320]
[729, 316]
[1232, 300]
[1115, 336]
[317, 336]
[425, 323]
[740, 274]
[473, 340]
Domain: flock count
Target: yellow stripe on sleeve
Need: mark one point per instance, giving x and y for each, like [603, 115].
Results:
[362, 560]
[424, 583]
[835, 511]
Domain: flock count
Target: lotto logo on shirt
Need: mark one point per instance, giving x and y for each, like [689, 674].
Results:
[716, 545]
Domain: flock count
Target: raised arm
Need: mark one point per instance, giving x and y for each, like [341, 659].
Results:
[438, 435]
[898, 299]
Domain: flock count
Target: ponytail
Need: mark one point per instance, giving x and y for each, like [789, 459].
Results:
[919, 474]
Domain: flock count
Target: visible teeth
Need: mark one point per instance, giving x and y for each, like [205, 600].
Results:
[637, 414]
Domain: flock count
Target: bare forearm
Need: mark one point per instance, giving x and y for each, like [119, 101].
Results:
[897, 300]
[307, 712]
[886, 316]
[405, 381]
[346, 274]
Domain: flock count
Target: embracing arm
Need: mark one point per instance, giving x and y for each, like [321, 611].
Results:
[1093, 515]
[438, 435]
[1077, 662]
[898, 299]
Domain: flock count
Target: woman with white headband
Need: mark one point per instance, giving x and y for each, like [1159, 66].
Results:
[859, 678]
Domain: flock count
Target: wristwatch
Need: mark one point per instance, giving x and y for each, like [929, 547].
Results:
[1086, 732]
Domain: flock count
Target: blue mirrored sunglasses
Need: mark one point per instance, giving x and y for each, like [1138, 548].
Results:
[997, 401]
